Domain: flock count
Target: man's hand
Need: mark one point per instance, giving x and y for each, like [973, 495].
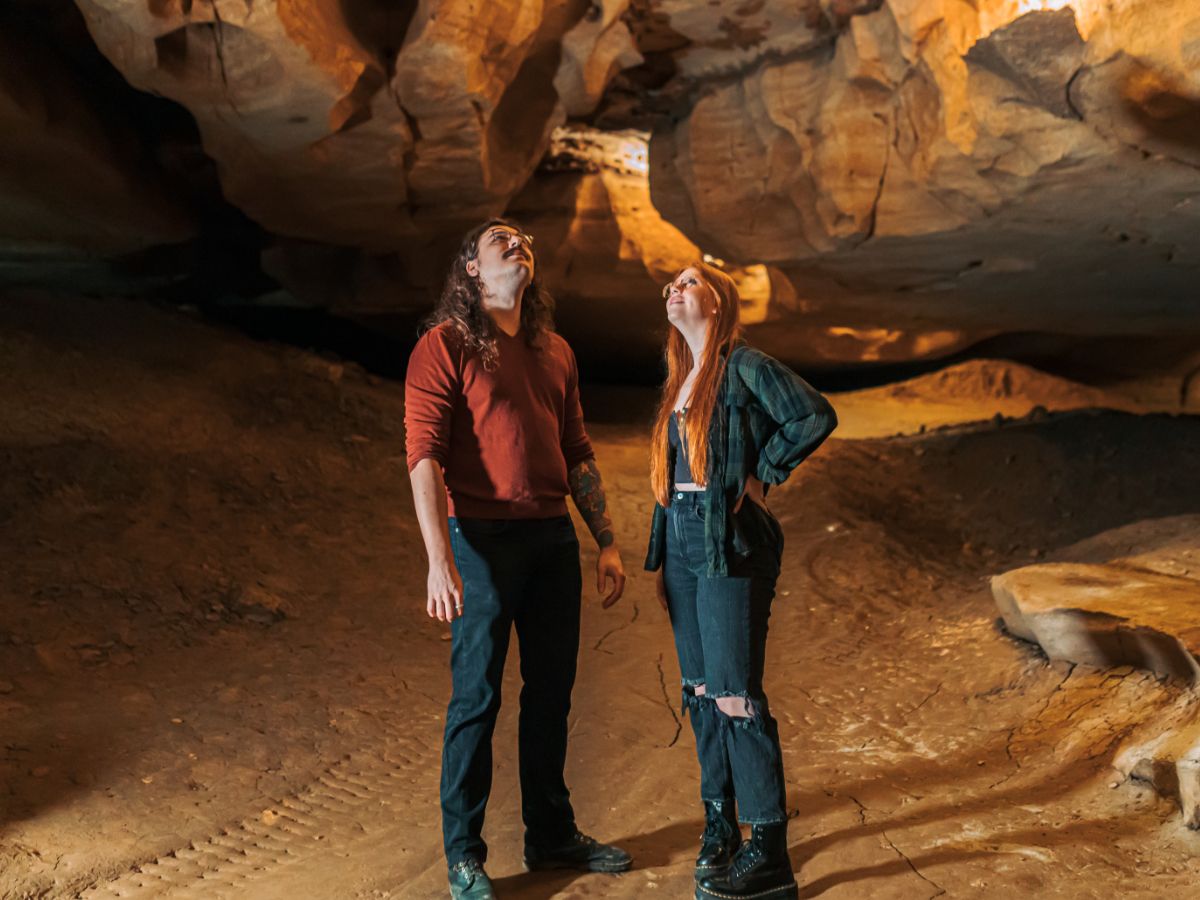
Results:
[443, 587]
[609, 568]
[660, 588]
[444, 592]
[753, 491]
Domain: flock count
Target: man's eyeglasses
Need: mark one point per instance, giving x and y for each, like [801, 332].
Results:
[499, 236]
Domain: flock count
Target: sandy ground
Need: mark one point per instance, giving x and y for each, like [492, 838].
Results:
[217, 679]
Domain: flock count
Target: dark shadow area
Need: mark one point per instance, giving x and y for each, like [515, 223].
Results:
[381, 350]
[1049, 784]
[651, 850]
[379, 25]
[381, 344]
[160, 139]
[1163, 108]
[1044, 484]
[535, 885]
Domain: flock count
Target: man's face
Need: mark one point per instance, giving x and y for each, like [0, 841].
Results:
[504, 258]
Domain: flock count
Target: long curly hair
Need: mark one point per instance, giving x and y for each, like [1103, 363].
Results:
[461, 302]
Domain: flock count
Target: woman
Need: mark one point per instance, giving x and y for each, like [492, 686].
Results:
[732, 421]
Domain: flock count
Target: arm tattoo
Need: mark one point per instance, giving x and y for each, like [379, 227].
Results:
[588, 493]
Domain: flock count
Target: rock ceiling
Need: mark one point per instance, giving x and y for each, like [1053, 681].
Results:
[889, 179]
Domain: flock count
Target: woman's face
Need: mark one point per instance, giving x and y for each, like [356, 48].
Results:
[691, 303]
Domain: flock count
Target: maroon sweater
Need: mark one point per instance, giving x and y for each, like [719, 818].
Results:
[505, 439]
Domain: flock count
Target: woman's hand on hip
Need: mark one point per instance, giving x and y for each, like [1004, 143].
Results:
[754, 492]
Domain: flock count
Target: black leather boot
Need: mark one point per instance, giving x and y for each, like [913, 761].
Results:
[579, 852]
[720, 840]
[760, 870]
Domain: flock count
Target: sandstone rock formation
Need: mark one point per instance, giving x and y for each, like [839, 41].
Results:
[1126, 597]
[593, 52]
[956, 165]
[357, 125]
[289, 103]
[1105, 615]
[898, 179]
[601, 243]
[1166, 754]
[607, 252]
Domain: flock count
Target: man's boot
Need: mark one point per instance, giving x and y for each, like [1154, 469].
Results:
[760, 870]
[720, 840]
[579, 852]
[468, 881]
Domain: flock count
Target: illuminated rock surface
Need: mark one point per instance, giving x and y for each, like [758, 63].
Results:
[911, 177]
[1106, 615]
[1137, 608]
[1166, 754]
[938, 164]
[354, 123]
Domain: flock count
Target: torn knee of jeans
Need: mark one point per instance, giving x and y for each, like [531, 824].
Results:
[693, 692]
[741, 708]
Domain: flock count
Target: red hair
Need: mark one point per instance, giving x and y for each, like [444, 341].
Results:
[723, 331]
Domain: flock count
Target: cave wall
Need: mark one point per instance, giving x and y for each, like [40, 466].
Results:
[890, 179]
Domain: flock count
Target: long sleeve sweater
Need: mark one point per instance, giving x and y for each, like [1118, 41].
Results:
[506, 438]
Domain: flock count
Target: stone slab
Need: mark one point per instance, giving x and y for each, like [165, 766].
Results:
[1105, 615]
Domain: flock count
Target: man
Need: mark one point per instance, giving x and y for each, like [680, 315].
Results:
[495, 442]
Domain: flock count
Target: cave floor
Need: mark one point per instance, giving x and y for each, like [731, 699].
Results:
[217, 678]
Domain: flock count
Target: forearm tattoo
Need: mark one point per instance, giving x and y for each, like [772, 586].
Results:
[588, 494]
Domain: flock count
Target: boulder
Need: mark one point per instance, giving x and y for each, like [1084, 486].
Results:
[1105, 615]
[1126, 597]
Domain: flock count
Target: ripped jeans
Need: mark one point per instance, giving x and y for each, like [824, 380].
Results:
[720, 627]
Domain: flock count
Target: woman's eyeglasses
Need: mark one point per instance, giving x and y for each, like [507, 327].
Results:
[687, 282]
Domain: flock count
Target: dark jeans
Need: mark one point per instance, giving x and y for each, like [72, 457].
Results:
[523, 572]
[720, 627]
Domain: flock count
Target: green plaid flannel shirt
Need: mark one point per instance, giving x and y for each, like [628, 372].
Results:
[766, 421]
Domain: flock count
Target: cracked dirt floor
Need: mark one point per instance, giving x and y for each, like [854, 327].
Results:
[217, 680]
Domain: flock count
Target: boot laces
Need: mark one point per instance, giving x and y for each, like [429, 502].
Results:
[470, 866]
[716, 827]
[746, 860]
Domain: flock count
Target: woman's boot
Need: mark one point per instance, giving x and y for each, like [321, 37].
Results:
[720, 840]
[760, 870]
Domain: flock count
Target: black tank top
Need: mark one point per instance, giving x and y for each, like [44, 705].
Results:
[682, 474]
